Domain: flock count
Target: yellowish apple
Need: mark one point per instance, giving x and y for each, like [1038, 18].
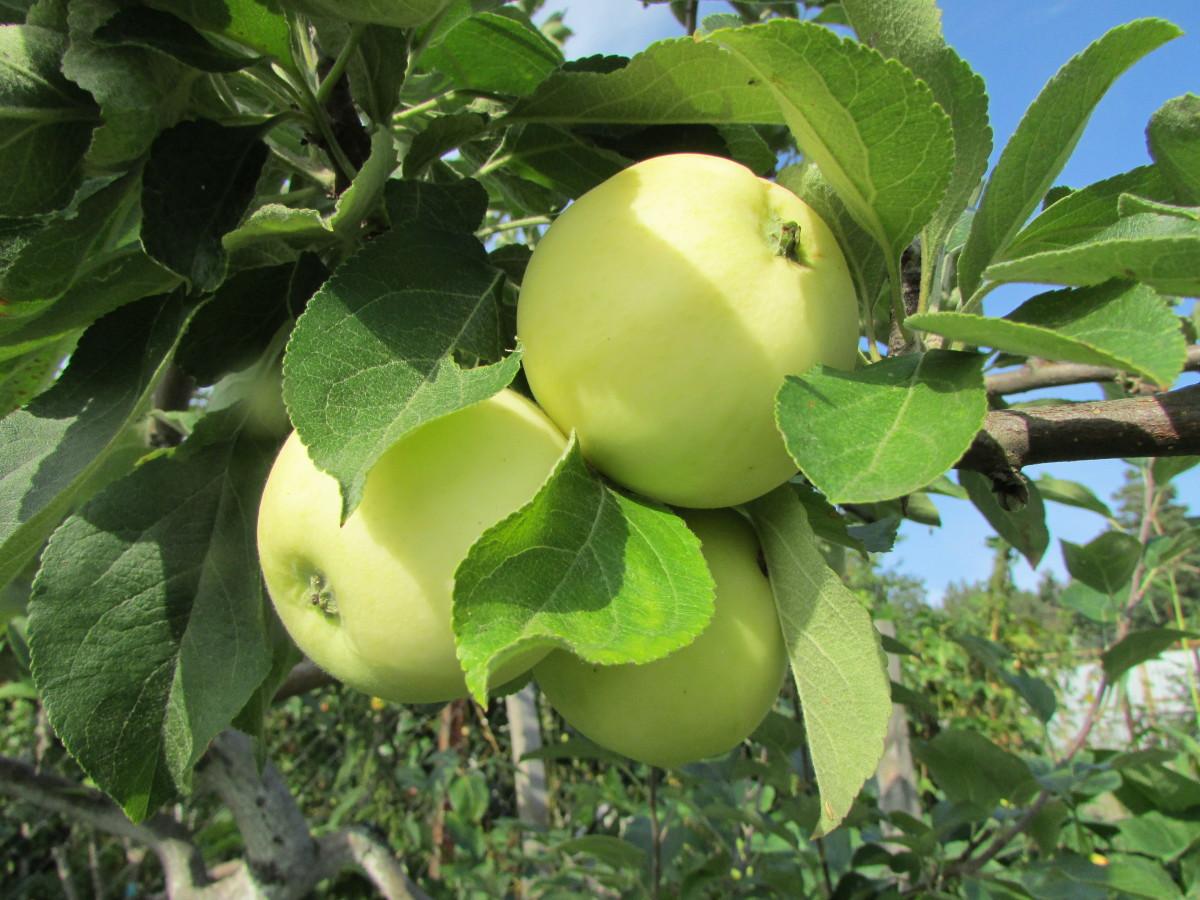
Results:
[370, 601]
[702, 700]
[660, 313]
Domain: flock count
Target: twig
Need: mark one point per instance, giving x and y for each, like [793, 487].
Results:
[655, 834]
[1165, 424]
[1036, 374]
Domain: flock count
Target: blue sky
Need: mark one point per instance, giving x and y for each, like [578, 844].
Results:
[1016, 47]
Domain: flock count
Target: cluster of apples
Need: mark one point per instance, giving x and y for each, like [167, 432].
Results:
[659, 315]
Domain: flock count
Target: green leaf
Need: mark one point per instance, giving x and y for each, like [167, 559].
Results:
[1174, 138]
[75, 437]
[972, 770]
[911, 31]
[443, 134]
[45, 123]
[1157, 836]
[1071, 493]
[140, 91]
[374, 355]
[837, 662]
[397, 13]
[1024, 528]
[826, 522]
[1167, 549]
[41, 264]
[1105, 564]
[1034, 691]
[197, 184]
[1159, 250]
[1045, 137]
[366, 192]
[1120, 325]
[249, 22]
[868, 124]
[671, 82]
[144, 27]
[864, 258]
[1072, 877]
[1164, 468]
[498, 52]
[113, 281]
[24, 377]
[886, 430]
[559, 160]
[453, 206]
[611, 579]
[1090, 603]
[613, 851]
[1081, 215]
[1139, 647]
[148, 624]
[377, 71]
[1130, 205]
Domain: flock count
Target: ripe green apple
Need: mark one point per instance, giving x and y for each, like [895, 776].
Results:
[660, 313]
[701, 700]
[370, 601]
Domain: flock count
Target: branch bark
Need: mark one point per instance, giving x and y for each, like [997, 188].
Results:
[1036, 375]
[1166, 424]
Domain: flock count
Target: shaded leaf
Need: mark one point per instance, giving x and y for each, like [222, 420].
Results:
[972, 770]
[1139, 647]
[147, 620]
[1104, 564]
[45, 123]
[198, 182]
[75, 437]
[1174, 138]
[161, 31]
[499, 52]
[1071, 493]
[1024, 528]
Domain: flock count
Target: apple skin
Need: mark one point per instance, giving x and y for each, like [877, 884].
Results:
[389, 571]
[659, 321]
[702, 700]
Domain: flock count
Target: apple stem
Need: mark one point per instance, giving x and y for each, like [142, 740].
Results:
[788, 242]
[321, 596]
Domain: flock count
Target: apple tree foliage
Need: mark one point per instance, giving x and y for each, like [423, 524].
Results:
[346, 192]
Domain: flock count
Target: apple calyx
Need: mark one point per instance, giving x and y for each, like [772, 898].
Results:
[785, 238]
[321, 596]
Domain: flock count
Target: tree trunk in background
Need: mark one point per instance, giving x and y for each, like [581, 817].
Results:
[526, 733]
[896, 777]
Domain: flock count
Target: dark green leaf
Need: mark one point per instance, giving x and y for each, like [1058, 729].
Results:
[45, 123]
[1045, 137]
[457, 206]
[376, 354]
[559, 160]
[397, 13]
[1139, 647]
[1157, 836]
[75, 437]
[1100, 607]
[1174, 138]
[886, 430]
[1071, 877]
[24, 377]
[1034, 691]
[377, 71]
[197, 185]
[161, 31]
[1024, 528]
[972, 770]
[443, 134]
[249, 22]
[1106, 563]
[837, 662]
[148, 622]
[583, 567]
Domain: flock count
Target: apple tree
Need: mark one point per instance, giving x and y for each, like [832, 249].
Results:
[229, 219]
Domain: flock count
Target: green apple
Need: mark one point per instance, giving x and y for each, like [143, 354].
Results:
[701, 700]
[660, 313]
[370, 601]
